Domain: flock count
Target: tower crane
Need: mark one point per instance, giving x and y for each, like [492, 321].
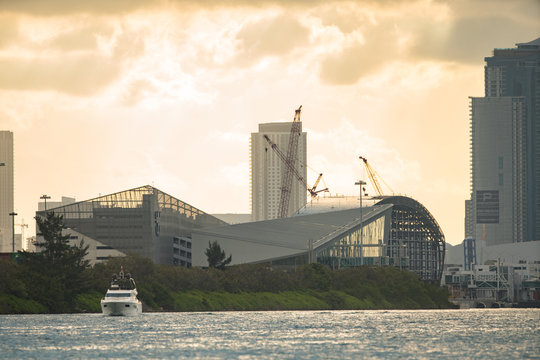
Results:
[290, 165]
[374, 178]
[292, 151]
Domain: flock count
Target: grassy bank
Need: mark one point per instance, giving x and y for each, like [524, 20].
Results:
[241, 287]
[287, 300]
[196, 300]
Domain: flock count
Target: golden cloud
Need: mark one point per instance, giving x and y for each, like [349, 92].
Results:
[79, 75]
[9, 30]
[470, 39]
[274, 36]
[63, 7]
[359, 59]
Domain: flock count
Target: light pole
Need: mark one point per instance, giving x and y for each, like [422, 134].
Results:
[45, 197]
[13, 214]
[361, 183]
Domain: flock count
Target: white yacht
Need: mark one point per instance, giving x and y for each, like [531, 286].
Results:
[121, 298]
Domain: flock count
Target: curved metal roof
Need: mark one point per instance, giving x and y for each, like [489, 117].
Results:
[284, 237]
[407, 202]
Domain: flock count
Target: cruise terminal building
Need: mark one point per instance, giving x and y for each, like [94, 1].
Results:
[388, 231]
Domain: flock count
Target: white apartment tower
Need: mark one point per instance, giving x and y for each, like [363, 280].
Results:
[6, 190]
[267, 171]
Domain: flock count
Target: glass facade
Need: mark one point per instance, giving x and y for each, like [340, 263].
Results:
[406, 236]
[356, 247]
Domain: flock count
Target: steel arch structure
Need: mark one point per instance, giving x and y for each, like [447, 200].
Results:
[415, 229]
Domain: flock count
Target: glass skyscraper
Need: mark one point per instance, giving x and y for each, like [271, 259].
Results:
[505, 149]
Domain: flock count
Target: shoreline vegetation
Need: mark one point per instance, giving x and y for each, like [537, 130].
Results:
[58, 279]
[236, 288]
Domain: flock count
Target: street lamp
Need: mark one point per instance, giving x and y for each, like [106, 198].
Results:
[361, 183]
[45, 197]
[13, 214]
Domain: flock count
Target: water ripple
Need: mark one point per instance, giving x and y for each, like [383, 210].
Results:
[474, 334]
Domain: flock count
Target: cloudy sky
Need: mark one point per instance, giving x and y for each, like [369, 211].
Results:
[106, 95]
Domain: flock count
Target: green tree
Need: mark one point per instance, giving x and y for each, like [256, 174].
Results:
[216, 256]
[56, 273]
[316, 276]
[55, 248]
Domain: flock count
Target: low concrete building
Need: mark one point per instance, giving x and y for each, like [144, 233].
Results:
[494, 285]
[514, 253]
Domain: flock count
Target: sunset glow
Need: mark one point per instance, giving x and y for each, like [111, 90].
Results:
[104, 96]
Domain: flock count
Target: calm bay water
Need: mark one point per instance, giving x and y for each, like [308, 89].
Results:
[432, 334]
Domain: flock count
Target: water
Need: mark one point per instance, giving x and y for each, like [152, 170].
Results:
[432, 334]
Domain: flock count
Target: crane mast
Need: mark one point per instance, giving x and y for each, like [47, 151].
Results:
[289, 168]
[294, 171]
[374, 178]
[317, 183]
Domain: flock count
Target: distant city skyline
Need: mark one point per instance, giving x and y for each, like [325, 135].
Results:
[107, 96]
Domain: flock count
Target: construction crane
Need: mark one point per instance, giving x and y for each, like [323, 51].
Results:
[290, 165]
[315, 186]
[374, 178]
[289, 160]
[22, 225]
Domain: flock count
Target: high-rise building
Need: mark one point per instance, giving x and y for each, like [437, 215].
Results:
[267, 171]
[505, 149]
[6, 190]
[498, 168]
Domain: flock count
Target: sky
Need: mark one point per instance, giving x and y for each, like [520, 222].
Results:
[104, 96]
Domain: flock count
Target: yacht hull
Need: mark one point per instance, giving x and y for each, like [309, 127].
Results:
[121, 308]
